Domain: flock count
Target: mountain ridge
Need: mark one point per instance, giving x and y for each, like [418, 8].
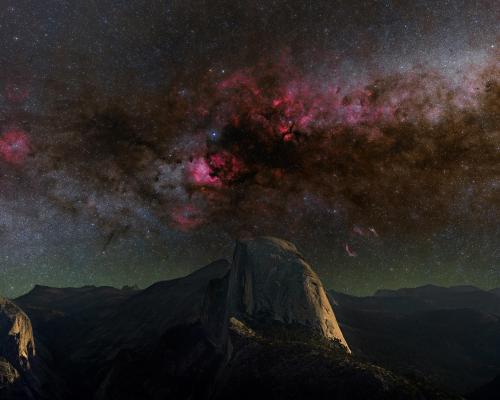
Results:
[258, 322]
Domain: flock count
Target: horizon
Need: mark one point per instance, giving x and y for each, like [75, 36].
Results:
[135, 286]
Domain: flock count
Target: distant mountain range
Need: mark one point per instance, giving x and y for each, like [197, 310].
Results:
[450, 335]
[260, 326]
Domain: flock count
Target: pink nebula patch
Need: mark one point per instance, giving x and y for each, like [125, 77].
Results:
[239, 80]
[14, 146]
[359, 231]
[16, 93]
[294, 103]
[200, 173]
[186, 217]
[226, 165]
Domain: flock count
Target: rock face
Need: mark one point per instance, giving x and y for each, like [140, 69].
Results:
[8, 374]
[172, 329]
[17, 344]
[247, 329]
[17, 351]
[270, 281]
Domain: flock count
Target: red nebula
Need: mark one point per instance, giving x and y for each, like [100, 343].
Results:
[187, 217]
[226, 166]
[358, 230]
[214, 170]
[16, 93]
[349, 251]
[291, 102]
[200, 173]
[283, 128]
[240, 79]
[14, 146]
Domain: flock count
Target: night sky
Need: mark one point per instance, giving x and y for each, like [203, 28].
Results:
[139, 139]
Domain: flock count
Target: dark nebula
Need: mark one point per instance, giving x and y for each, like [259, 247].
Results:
[369, 136]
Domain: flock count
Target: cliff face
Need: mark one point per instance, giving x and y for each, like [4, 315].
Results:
[246, 329]
[17, 351]
[17, 344]
[270, 281]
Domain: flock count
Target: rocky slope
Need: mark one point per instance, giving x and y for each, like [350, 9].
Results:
[259, 326]
[17, 344]
[17, 352]
[451, 335]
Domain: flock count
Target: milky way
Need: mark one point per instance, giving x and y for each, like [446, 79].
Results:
[392, 171]
[268, 144]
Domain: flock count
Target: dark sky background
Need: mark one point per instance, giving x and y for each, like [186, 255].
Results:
[139, 139]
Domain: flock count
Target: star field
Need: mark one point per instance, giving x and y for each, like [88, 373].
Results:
[139, 139]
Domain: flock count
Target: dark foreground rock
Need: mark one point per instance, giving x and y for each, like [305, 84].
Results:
[490, 391]
[287, 368]
[259, 327]
[449, 335]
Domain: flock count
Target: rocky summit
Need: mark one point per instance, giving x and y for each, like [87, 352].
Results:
[259, 326]
[270, 280]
